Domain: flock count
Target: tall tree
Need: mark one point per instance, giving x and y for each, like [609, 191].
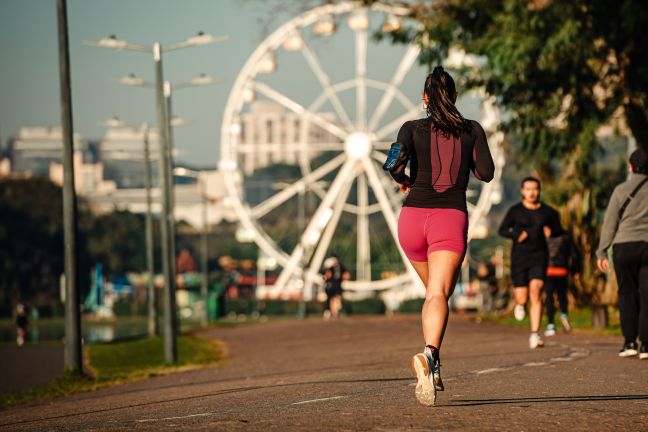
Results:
[561, 68]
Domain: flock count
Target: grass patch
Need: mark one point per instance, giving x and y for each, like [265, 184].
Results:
[114, 363]
[580, 319]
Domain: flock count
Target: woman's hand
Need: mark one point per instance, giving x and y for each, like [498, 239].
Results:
[404, 189]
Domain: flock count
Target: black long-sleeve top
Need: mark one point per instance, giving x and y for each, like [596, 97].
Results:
[440, 164]
[519, 218]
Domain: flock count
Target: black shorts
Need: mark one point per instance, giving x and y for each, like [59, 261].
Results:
[525, 268]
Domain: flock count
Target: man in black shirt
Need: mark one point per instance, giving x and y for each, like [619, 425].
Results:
[528, 224]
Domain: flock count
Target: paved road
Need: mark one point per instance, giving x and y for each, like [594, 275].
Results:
[354, 375]
[29, 365]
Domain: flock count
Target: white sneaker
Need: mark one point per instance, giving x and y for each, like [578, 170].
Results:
[425, 390]
[519, 312]
[535, 341]
[565, 323]
[550, 331]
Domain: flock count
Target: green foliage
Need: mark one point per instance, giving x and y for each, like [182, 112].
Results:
[558, 67]
[117, 240]
[31, 239]
[31, 242]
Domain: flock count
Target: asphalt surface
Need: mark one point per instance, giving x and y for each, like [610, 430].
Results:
[30, 365]
[354, 374]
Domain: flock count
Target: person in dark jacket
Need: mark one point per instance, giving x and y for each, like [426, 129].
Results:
[563, 260]
[22, 322]
[528, 224]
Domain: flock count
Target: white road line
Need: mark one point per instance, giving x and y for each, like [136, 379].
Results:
[490, 370]
[319, 400]
[175, 418]
[531, 364]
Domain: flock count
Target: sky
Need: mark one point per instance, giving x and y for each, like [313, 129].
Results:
[29, 91]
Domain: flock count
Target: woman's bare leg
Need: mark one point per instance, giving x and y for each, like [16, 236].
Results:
[442, 273]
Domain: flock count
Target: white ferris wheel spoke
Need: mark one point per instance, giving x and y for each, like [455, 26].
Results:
[382, 145]
[361, 76]
[363, 264]
[299, 109]
[293, 146]
[284, 195]
[392, 126]
[313, 231]
[405, 65]
[327, 235]
[324, 80]
[388, 213]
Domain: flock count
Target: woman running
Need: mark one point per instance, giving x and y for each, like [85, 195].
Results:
[441, 149]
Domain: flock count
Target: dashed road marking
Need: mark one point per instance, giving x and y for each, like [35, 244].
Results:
[174, 418]
[319, 400]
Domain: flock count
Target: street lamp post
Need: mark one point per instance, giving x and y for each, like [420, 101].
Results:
[168, 255]
[153, 328]
[73, 360]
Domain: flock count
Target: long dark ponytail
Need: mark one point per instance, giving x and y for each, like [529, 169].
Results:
[442, 112]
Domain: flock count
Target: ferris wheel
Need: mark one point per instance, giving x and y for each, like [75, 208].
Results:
[338, 148]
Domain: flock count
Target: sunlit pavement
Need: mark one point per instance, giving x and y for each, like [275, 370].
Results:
[354, 374]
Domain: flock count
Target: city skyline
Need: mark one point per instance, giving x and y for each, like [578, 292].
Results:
[29, 79]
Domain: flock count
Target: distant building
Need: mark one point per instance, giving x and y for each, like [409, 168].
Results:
[36, 147]
[270, 135]
[5, 167]
[88, 178]
[189, 200]
[122, 153]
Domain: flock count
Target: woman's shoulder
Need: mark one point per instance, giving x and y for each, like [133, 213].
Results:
[473, 130]
[422, 123]
[412, 125]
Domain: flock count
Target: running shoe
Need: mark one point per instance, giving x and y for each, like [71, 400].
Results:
[535, 341]
[434, 360]
[550, 330]
[519, 312]
[565, 322]
[425, 389]
[629, 349]
[643, 352]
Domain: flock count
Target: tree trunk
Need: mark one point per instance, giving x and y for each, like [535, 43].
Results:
[600, 316]
[638, 123]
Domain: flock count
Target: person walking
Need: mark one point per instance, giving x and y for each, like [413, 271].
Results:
[563, 260]
[22, 323]
[528, 224]
[333, 273]
[441, 150]
[625, 229]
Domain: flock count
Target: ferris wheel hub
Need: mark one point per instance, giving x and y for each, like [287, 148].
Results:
[358, 145]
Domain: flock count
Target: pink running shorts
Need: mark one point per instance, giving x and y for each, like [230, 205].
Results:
[422, 231]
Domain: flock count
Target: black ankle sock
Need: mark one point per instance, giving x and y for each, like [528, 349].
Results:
[433, 350]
